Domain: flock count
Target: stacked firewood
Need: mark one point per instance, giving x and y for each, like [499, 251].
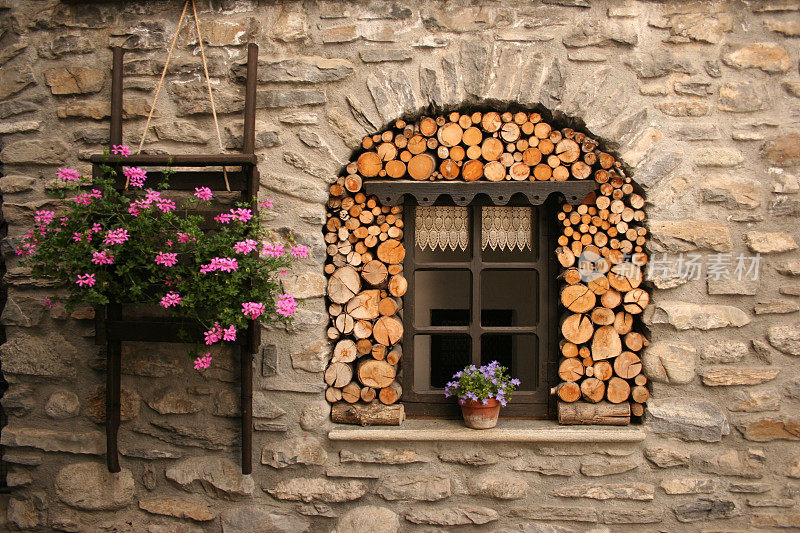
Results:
[492, 146]
[602, 254]
[601, 251]
[365, 290]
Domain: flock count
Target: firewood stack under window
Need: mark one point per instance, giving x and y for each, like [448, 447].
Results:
[601, 251]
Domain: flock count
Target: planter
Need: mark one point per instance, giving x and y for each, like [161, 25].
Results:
[479, 416]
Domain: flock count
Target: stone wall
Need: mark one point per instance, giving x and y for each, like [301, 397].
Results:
[701, 103]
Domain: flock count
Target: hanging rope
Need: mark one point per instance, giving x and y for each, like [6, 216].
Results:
[161, 83]
[210, 94]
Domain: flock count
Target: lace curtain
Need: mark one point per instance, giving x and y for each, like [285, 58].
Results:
[443, 227]
[446, 227]
[506, 227]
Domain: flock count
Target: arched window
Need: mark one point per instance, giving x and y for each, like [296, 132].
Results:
[441, 237]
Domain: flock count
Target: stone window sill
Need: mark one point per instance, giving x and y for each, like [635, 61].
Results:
[426, 430]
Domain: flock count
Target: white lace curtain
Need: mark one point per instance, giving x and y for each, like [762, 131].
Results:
[446, 227]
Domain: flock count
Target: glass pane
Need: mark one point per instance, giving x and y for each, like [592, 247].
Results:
[508, 234]
[442, 234]
[518, 353]
[437, 293]
[509, 298]
[438, 357]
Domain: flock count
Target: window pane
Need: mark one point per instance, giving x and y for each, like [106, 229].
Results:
[439, 293]
[442, 234]
[508, 234]
[509, 298]
[438, 357]
[518, 353]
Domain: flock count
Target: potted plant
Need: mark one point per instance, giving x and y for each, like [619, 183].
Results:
[481, 391]
[138, 247]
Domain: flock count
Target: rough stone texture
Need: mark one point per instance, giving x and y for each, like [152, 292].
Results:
[691, 420]
[213, 475]
[685, 315]
[303, 450]
[177, 508]
[318, 489]
[689, 235]
[368, 517]
[62, 404]
[608, 491]
[785, 338]
[91, 487]
[769, 242]
[669, 363]
[698, 101]
[260, 520]
[451, 516]
[421, 487]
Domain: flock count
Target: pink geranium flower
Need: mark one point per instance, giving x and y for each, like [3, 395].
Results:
[203, 362]
[183, 238]
[117, 236]
[167, 259]
[121, 149]
[229, 334]
[214, 334]
[273, 250]
[225, 264]
[136, 176]
[204, 193]
[86, 198]
[68, 174]
[253, 310]
[85, 280]
[300, 251]
[43, 217]
[171, 299]
[266, 203]
[246, 246]
[102, 258]
[286, 305]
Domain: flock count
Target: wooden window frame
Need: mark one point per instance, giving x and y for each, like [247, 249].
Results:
[524, 404]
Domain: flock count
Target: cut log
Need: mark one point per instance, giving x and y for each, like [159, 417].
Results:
[345, 323]
[606, 343]
[373, 414]
[345, 351]
[625, 277]
[387, 330]
[593, 389]
[398, 285]
[394, 356]
[343, 284]
[570, 369]
[388, 306]
[362, 330]
[333, 395]
[611, 299]
[617, 390]
[628, 365]
[602, 413]
[635, 341]
[369, 164]
[569, 349]
[637, 409]
[494, 171]
[364, 346]
[577, 328]
[351, 392]
[472, 170]
[491, 149]
[623, 322]
[378, 352]
[391, 252]
[598, 284]
[603, 370]
[450, 134]
[578, 298]
[421, 166]
[567, 392]
[338, 375]
[565, 256]
[636, 301]
[374, 373]
[391, 394]
[602, 316]
[640, 394]
[375, 273]
[364, 305]
[368, 394]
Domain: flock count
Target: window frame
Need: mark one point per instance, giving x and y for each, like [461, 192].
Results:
[536, 404]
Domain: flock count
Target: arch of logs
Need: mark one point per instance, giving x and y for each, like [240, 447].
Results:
[601, 252]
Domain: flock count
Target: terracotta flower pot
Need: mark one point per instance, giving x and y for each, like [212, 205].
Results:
[479, 416]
